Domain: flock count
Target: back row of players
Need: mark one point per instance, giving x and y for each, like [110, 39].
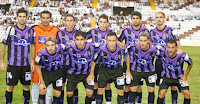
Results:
[65, 56]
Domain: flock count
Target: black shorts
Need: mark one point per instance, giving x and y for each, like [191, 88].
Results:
[53, 77]
[74, 79]
[109, 75]
[15, 73]
[96, 71]
[166, 82]
[158, 70]
[137, 76]
[65, 69]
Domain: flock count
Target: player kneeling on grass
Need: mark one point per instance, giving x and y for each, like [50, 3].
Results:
[173, 74]
[110, 56]
[49, 69]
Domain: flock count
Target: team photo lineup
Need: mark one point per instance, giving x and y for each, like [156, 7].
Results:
[50, 62]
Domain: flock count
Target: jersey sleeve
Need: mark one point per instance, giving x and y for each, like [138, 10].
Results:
[7, 33]
[173, 36]
[122, 36]
[97, 55]
[187, 59]
[38, 59]
[89, 34]
[151, 36]
[33, 34]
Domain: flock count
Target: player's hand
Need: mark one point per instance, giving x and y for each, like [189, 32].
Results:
[42, 87]
[2, 66]
[184, 78]
[42, 49]
[70, 43]
[179, 51]
[90, 77]
[120, 44]
[32, 66]
[128, 73]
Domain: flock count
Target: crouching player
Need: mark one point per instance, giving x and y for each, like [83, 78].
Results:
[111, 70]
[173, 74]
[49, 70]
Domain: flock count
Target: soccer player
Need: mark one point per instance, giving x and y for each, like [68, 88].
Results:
[173, 74]
[110, 56]
[80, 59]
[20, 40]
[49, 69]
[141, 66]
[42, 31]
[131, 35]
[160, 35]
[98, 36]
[67, 36]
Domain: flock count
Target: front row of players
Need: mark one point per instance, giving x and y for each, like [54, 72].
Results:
[139, 60]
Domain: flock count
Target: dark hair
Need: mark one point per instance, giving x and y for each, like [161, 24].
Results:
[104, 16]
[45, 12]
[112, 34]
[70, 15]
[22, 11]
[171, 41]
[136, 13]
[80, 33]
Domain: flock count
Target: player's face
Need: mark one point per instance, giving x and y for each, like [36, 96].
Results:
[45, 19]
[111, 42]
[22, 18]
[80, 42]
[69, 21]
[143, 42]
[136, 21]
[171, 49]
[103, 24]
[159, 19]
[51, 47]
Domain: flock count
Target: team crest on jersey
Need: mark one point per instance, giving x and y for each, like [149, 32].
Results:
[89, 53]
[177, 63]
[105, 57]
[52, 33]
[119, 56]
[167, 36]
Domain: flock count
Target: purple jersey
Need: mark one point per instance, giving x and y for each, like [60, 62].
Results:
[130, 35]
[142, 61]
[98, 36]
[107, 58]
[173, 67]
[160, 37]
[80, 60]
[64, 37]
[50, 62]
[18, 42]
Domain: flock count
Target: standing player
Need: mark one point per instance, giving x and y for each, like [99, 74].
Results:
[43, 31]
[110, 54]
[66, 36]
[80, 58]
[141, 65]
[173, 74]
[160, 35]
[49, 69]
[131, 35]
[98, 36]
[20, 40]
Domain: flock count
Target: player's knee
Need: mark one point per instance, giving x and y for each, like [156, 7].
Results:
[70, 94]
[139, 89]
[173, 88]
[133, 89]
[187, 95]
[101, 91]
[120, 92]
[127, 88]
[10, 88]
[150, 89]
[57, 94]
[26, 88]
[95, 85]
[108, 86]
[89, 93]
[63, 86]
[161, 94]
[43, 92]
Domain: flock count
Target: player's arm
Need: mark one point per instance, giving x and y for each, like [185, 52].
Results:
[42, 84]
[91, 75]
[32, 57]
[2, 63]
[190, 63]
